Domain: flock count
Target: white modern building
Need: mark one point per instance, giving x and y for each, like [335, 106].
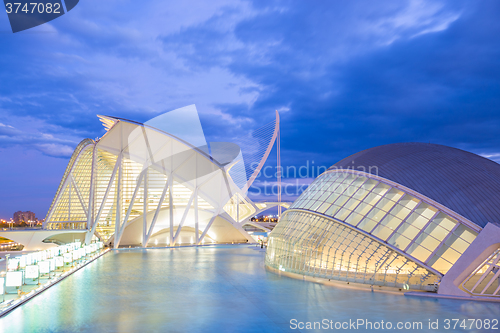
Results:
[411, 216]
[157, 183]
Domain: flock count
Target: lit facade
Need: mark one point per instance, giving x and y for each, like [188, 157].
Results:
[140, 185]
[357, 226]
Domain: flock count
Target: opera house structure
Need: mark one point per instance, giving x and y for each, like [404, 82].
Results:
[158, 183]
[407, 216]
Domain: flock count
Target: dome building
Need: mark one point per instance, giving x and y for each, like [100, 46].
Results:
[411, 216]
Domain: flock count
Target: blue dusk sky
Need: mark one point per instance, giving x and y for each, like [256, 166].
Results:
[344, 75]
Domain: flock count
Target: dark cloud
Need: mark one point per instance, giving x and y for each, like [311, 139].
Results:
[346, 75]
[359, 75]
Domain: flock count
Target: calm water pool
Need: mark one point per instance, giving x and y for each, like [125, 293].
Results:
[214, 289]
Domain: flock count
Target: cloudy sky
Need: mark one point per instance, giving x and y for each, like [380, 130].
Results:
[345, 76]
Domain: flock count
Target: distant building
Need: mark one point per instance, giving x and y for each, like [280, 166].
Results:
[26, 217]
[265, 218]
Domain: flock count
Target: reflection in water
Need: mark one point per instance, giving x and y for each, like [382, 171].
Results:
[212, 289]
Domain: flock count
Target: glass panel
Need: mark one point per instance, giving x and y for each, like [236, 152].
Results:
[382, 232]
[446, 253]
[370, 184]
[436, 231]
[323, 207]
[465, 233]
[399, 241]
[342, 214]
[358, 181]
[409, 202]
[342, 176]
[331, 198]
[325, 195]
[317, 195]
[309, 204]
[341, 200]
[385, 204]
[315, 205]
[441, 265]
[381, 189]
[400, 211]
[367, 224]
[394, 194]
[332, 210]
[427, 241]
[340, 189]
[391, 222]
[451, 255]
[354, 218]
[351, 204]
[348, 180]
[376, 214]
[426, 210]
[329, 186]
[457, 243]
[363, 208]
[408, 231]
[372, 198]
[416, 220]
[445, 221]
[360, 194]
[419, 252]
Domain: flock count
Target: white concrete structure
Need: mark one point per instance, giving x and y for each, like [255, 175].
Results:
[159, 183]
[34, 240]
